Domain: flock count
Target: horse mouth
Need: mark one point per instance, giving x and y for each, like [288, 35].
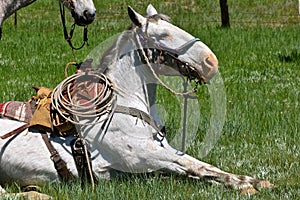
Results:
[193, 74]
[202, 73]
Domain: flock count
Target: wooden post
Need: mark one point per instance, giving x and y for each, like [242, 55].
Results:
[224, 13]
[16, 19]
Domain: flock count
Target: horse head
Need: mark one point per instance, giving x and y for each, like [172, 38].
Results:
[192, 57]
[83, 11]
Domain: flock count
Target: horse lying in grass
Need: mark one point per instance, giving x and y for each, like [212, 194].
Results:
[123, 136]
[83, 11]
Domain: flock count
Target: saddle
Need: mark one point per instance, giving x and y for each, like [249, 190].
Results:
[38, 113]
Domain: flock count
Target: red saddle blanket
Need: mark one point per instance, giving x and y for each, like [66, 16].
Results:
[16, 110]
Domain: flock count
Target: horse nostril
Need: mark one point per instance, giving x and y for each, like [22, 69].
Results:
[89, 15]
[212, 60]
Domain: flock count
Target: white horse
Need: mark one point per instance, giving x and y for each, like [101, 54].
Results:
[128, 139]
[83, 11]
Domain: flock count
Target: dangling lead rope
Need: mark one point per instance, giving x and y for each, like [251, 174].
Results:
[185, 94]
[68, 37]
[88, 163]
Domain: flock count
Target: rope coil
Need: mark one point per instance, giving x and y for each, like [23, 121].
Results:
[84, 95]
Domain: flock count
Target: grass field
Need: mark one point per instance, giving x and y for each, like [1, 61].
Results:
[259, 59]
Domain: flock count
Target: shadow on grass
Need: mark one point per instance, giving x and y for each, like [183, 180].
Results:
[291, 56]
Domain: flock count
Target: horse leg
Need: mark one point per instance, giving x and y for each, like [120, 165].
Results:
[148, 155]
[184, 164]
[199, 169]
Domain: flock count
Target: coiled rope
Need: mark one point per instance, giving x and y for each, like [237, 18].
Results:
[84, 95]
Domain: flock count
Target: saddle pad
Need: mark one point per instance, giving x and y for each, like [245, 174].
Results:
[20, 111]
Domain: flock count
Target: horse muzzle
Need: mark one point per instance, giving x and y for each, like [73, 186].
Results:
[207, 69]
[210, 67]
[86, 18]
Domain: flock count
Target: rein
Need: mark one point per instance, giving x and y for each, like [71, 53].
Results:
[68, 37]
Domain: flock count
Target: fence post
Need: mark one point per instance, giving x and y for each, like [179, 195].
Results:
[15, 19]
[224, 13]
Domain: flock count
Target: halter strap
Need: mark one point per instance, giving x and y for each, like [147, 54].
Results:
[144, 40]
[177, 50]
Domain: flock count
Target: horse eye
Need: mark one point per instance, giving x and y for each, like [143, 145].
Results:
[166, 36]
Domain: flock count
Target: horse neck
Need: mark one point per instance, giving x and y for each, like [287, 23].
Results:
[8, 7]
[131, 84]
[133, 80]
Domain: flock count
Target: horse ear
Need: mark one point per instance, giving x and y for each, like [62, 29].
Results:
[151, 11]
[136, 18]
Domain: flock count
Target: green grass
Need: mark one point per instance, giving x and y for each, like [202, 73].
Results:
[259, 60]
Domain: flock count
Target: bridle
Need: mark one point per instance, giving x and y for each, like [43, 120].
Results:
[68, 37]
[145, 42]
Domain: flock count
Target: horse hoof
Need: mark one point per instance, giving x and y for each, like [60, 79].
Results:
[248, 190]
[266, 184]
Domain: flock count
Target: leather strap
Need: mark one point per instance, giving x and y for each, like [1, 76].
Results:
[83, 163]
[60, 165]
[139, 114]
[16, 131]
